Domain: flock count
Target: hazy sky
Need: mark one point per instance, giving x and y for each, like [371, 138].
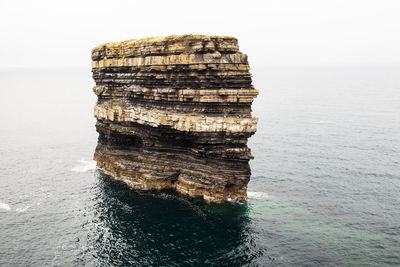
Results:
[62, 33]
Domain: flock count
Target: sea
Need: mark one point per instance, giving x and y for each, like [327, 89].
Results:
[324, 189]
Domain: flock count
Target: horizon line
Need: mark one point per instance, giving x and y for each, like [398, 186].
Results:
[283, 64]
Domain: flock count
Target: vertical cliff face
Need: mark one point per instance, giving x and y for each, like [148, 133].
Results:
[175, 113]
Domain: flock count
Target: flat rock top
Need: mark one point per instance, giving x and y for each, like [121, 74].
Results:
[167, 39]
[164, 45]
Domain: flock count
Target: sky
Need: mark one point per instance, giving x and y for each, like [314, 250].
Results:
[41, 34]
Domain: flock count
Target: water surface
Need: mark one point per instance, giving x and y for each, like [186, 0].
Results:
[325, 185]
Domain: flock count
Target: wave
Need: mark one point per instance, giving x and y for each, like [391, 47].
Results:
[4, 206]
[257, 195]
[84, 166]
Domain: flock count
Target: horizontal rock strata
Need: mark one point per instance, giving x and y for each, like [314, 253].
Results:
[175, 113]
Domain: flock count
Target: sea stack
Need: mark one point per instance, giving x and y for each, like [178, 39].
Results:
[175, 113]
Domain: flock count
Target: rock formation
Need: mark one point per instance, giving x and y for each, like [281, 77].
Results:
[175, 113]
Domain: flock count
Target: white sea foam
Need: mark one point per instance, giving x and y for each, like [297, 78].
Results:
[22, 209]
[321, 122]
[257, 195]
[4, 206]
[84, 166]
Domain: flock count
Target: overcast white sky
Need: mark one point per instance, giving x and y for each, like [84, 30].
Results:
[62, 33]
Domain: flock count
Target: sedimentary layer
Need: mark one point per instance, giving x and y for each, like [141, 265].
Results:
[175, 113]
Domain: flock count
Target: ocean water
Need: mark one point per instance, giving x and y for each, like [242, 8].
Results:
[325, 185]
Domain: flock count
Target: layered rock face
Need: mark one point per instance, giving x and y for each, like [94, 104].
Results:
[175, 113]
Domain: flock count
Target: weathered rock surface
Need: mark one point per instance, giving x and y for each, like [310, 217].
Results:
[175, 113]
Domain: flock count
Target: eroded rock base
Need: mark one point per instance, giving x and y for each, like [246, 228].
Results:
[157, 159]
